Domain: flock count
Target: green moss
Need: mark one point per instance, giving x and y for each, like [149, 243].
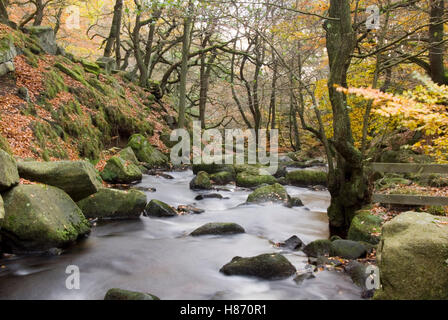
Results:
[74, 73]
[273, 193]
[222, 178]
[54, 83]
[246, 180]
[201, 182]
[364, 226]
[437, 211]
[4, 145]
[305, 178]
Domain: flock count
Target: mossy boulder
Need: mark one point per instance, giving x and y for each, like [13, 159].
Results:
[213, 168]
[413, 258]
[147, 153]
[201, 182]
[272, 193]
[120, 294]
[265, 266]
[365, 227]
[218, 228]
[114, 204]
[91, 67]
[9, 176]
[118, 170]
[39, 217]
[128, 155]
[318, 248]
[156, 208]
[222, 178]
[246, 180]
[307, 178]
[404, 156]
[78, 179]
[347, 249]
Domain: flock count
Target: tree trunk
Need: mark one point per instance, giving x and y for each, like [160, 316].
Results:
[39, 16]
[436, 50]
[347, 183]
[205, 72]
[184, 67]
[4, 12]
[114, 29]
[273, 100]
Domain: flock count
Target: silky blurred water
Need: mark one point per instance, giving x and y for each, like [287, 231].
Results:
[158, 256]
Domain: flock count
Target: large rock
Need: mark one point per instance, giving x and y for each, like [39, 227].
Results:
[222, 178]
[120, 294]
[157, 208]
[307, 178]
[118, 170]
[347, 249]
[246, 180]
[77, 178]
[39, 217]
[201, 182]
[46, 37]
[114, 204]
[147, 153]
[413, 258]
[108, 64]
[7, 54]
[318, 248]
[213, 168]
[272, 193]
[365, 227]
[128, 155]
[218, 229]
[265, 266]
[9, 176]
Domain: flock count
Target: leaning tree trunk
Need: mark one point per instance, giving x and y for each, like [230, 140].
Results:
[39, 16]
[347, 183]
[114, 29]
[436, 50]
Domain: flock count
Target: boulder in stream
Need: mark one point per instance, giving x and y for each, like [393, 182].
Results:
[157, 208]
[272, 193]
[118, 170]
[209, 196]
[219, 228]
[213, 168]
[271, 266]
[78, 179]
[247, 180]
[318, 248]
[39, 217]
[413, 258]
[222, 178]
[9, 176]
[347, 249]
[293, 243]
[187, 209]
[120, 294]
[201, 181]
[114, 204]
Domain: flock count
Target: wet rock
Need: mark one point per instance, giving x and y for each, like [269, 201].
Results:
[295, 202]
[9, 176]
[293, 243]
[114, 204]
[189, 210]
[147, 153]
[318, 248]
[272, 193]
[222, 178]
[39, 217]
[359, 275]
[157, 208]
[365, 227]
[218, 229]
[213, 168]
[325, 261]
[246, 180]
[209, 196]
[128, 154]
[158, 173]
[265, 266]
[120, 294]
[307, 178]
[144, 189]
[78, 179]
[303, 277]
[413, 258]
[118, 170]
[347, 249]
[201, 182]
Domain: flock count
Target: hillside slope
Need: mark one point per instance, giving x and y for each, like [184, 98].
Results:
[56, 107]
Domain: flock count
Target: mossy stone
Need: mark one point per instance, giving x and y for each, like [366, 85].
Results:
[201, 182]
[265, 266]
[364, 227]
[218, 229]
[39, 217]
[246, 180]
[222, 178]
[9, 175]
[272, 193]
[120, 294]
[114, 204]
[118, 170]
[128, 155]
[347, 249]
[307, 178]
[145, 152]
[318, 248]
[156, 208]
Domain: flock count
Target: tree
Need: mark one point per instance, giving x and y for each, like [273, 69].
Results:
[115, 29]
[436, 41]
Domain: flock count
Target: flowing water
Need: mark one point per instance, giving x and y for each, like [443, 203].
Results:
[158, 256]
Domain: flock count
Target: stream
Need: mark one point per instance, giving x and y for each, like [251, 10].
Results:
[158, 256]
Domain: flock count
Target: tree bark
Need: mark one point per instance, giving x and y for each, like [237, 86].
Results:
[4, 18]
[347, 183]
[436, 50]
[188, 23]
[39, 15]
[114, 29]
